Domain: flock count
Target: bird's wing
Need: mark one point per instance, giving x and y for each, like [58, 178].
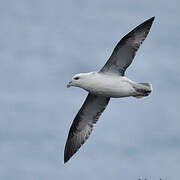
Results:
[125, 50]
[82, 125]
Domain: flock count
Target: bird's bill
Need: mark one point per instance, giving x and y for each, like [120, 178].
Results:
[69, 84]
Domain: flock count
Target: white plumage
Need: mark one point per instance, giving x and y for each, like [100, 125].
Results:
[107, 83]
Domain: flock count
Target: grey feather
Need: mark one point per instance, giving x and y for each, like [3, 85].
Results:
[82, 125]
[126, 49]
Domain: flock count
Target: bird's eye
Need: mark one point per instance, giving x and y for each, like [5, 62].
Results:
[76, 78]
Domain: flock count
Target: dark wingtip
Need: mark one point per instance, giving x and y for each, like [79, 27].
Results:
[148, 23]
[66, 157]
[65, 161]
[151, 19]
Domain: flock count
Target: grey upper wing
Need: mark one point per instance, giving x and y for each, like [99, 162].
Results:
[125, 50]
[82, 125]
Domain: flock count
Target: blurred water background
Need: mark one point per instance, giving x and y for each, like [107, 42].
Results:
[42, 45]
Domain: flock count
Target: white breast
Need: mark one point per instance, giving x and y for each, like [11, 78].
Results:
[109, 85]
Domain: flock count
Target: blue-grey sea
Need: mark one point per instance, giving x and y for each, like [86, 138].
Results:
[43, 44]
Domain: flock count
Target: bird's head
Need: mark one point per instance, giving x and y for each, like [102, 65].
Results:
[80, 79]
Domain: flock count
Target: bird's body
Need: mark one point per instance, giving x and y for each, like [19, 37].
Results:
[109, 82]
[109, 85]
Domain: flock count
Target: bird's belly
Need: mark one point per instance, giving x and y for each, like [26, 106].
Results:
[112, 89]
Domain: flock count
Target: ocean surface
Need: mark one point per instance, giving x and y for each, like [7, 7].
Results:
[42, 45]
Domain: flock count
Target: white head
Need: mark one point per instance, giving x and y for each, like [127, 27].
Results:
[79, 80]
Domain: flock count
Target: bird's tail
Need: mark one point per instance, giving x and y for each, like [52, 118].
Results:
[142, 90]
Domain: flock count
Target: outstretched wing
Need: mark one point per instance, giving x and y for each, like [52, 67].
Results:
[82, 125]
[126, 49]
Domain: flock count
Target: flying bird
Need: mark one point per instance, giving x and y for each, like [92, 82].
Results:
[109, 82]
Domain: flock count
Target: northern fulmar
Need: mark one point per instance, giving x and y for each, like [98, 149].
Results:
[109, 82]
